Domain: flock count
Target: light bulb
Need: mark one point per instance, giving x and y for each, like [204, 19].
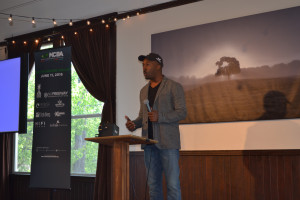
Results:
[88, 22]
[54, 22]
[70, 23]
[10, 18]
[103, 21]
[33, 21]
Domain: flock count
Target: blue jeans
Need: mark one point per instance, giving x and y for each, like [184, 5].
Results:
[158, 161]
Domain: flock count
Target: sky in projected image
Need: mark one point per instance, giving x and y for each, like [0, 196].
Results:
[257, 40]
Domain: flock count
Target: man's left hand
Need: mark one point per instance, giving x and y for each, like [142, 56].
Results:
[153, 116]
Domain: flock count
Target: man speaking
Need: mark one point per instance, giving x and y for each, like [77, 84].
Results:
[162, 106]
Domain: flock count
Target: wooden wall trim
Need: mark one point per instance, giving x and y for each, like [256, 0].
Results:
[273, 152]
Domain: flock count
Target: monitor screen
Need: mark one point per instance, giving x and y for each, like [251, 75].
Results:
[13, 90]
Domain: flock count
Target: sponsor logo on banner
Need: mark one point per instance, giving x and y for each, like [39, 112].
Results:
[42, 114]
[42, 105]
[39, 94]
[59, 104]
[59, 114]
[58, 124]
[53, 56]
[56, 94]
[40, 124]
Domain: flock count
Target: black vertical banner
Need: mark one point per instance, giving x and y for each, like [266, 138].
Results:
[51, 149]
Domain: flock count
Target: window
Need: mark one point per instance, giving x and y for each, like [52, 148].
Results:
[86, 116]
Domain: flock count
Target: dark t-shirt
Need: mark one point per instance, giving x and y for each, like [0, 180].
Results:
[151, 97]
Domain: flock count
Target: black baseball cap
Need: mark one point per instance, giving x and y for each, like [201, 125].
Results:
[152, 57]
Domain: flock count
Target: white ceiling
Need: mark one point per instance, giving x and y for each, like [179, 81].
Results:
[59, 9]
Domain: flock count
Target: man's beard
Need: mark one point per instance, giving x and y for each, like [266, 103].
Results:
[147, 76]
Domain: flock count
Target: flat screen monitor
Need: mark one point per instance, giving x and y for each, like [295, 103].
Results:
[13, 95]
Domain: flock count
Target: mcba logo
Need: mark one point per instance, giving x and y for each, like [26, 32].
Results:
[56, 54]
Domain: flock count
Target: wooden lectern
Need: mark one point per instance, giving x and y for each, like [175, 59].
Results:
[120, 161]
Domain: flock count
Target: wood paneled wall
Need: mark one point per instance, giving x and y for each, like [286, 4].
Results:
[82, 188]
[253, 175]
[230, 175]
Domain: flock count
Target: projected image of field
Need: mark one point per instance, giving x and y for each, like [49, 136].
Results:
[242, 97]
[239, 69]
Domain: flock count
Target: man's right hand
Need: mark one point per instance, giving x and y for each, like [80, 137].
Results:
[130, 125]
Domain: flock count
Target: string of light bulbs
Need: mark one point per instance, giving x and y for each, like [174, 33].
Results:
[104, 19]
[54, 21]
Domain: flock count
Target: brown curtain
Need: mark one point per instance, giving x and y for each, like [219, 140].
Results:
[94, 58]
[57, 41]
[16, 50]
[6, 164]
